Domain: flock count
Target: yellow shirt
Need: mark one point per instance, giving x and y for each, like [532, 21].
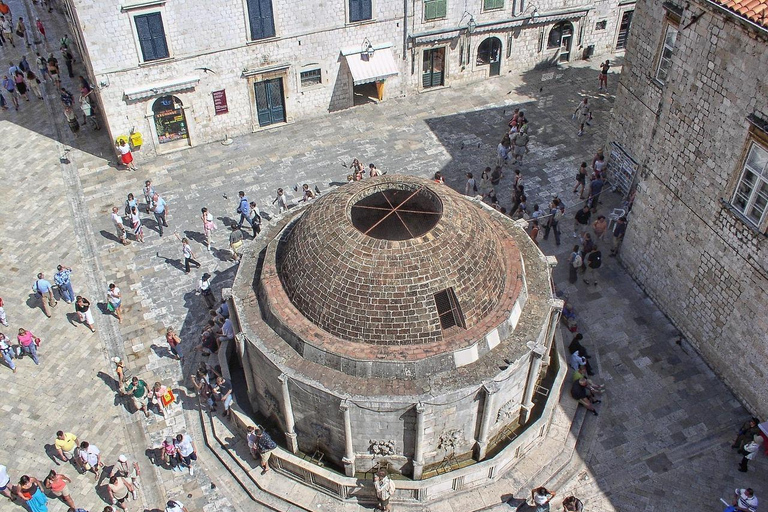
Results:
[67, 444]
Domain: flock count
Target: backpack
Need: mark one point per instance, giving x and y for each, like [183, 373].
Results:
[577, 261]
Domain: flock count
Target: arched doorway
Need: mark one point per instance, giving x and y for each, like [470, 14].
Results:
[561, 36]
[170, 121]
[489, 52]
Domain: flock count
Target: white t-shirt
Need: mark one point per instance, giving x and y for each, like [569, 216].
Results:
[4, 478]
[91, 455]
[113, 295]
[541, 499]
[124, 149]
[117, 219]
[746, 502]
[577, 360]
[187, 250]
[185, 447]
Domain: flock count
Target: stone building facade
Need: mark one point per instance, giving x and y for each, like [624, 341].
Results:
[189, 72]
[690, 130]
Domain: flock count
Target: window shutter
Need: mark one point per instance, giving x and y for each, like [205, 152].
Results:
[158, 36]
[429, 10]
[267, 20]
[441, 8]
[145, 38]
[366, 9]
[354, 10]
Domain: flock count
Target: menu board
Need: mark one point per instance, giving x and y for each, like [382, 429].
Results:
[220, 102]
[170, 122]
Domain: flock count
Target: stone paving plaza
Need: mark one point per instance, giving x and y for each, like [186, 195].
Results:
[661, 441]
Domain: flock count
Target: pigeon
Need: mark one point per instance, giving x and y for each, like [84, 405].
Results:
[317, 190]
[478, 144]
[344, 165]
[296, 187]
[462, 145]
[207, 70]
[224, 196]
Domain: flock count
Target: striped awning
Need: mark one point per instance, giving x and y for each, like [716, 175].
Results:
[372, 68]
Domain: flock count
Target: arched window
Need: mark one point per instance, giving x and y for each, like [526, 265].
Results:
[489, 51]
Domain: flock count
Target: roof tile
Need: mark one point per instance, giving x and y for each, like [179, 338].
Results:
[755, 11]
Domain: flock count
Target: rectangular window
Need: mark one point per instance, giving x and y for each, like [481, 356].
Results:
[489, 5]
[751, 196]
[448, 309]
[311, 77]
[360, 10]
[149, 28]
[667, 49]
[435, 9]
[261, 20]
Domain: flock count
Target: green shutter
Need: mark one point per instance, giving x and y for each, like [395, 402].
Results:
[492, 4]
[435, 9]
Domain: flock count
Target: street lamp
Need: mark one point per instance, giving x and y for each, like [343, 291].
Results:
[367, 49]
[471, 24]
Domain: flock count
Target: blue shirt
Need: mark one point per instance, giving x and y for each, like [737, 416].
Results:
[245, 208]
[160, 205]
[62, 278]
[42, 286]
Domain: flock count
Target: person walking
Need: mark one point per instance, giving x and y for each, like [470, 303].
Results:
[189, 256]
[5, 484]
[3, 317]
[264, 445]
[138, 226]
[574, 264]
[57, 484]
[170, 454]
[157, 397]
[83, 310]
[65, 446]
[581, 178]
[71, 117]
[118, 490]
[244, 209]
[618, 235]
[127, 469]
[236, 241]
[470, 188]
[749, 452]
[175, 506]
[280, 199]
[117, 220]
[10, 86]
[31, 491]
[204, 286]
[160, 209]
[34, 83]
[602, 78]
[7, 351]
[44, 291]
[541, 498]
[595, 188]
[90, 458]
[139, 393]
[41, 29]
[209, 226]
[552, 220]
[582, 114]
[53, 71]
[581, 221]
[185, 447]
[174, 342]
[29, 344]
[21, 84]
[23, 32]
[385, 488]
[594, 262]
[115, 302]
[222, 390]
[69, 59]
[126, 157]
[744, 500]
[42, 67]
[7, 27]
[149, 193]
[63, 280]
[256, 218]
[88, 113]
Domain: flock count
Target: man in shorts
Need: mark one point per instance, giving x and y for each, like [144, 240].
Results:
[5, 483]
[65, 445]
[90, 458]
[186, 449]
[265, 446]
[139, 393]
[236, 241]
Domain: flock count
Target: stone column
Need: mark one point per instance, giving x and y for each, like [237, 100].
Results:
[290, 422]
[349, 456]
[418, 450]
[537, 351]
[481, 449]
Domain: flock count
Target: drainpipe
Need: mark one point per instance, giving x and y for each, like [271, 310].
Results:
[491, 389]
[349, 458]
[418, 451]
[537, 352]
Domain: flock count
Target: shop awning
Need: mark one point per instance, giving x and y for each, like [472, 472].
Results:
[367, 68]
[161, 88]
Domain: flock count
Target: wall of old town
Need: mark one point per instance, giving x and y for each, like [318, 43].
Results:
[696, 255]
